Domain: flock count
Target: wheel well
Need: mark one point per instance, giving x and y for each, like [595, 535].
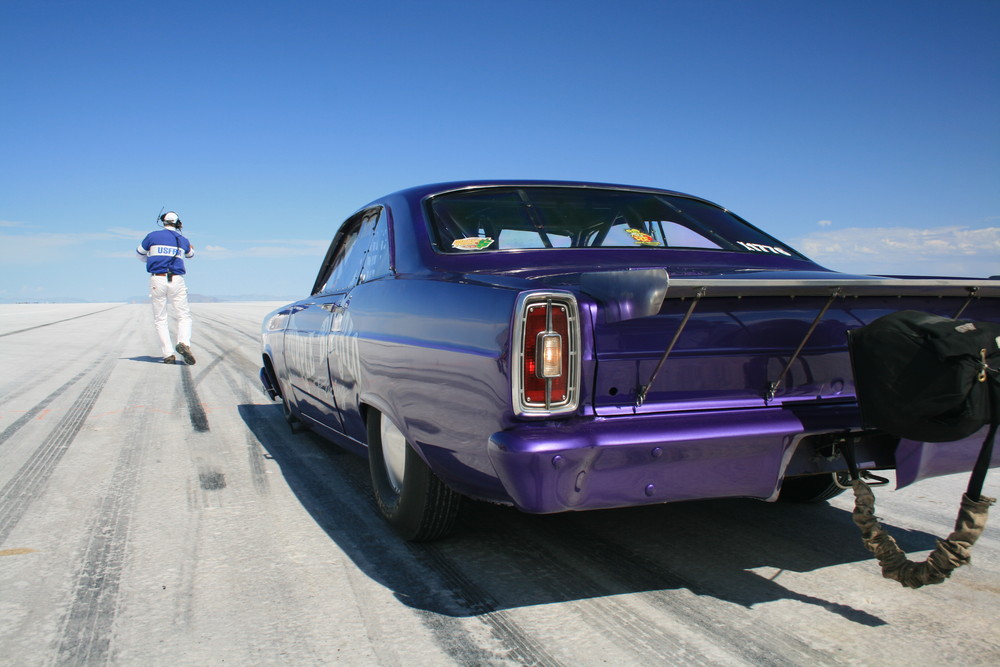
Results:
[271, 375]
[365, 409]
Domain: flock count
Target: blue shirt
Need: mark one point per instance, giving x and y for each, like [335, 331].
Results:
[164, 250]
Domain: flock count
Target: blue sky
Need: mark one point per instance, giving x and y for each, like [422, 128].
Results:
[866, 134]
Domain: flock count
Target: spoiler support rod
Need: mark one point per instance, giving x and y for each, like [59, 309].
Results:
[973, 293]
[641, 396]
[772, 387]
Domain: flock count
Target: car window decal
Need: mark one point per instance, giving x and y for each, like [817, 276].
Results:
[472, 243]
[760, 247]
[642, 238]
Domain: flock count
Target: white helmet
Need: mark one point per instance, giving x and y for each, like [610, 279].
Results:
[170, 218]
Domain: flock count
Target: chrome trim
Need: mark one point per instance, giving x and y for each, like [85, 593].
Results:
[572, 402]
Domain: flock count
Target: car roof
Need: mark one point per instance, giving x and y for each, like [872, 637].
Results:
[420, 192]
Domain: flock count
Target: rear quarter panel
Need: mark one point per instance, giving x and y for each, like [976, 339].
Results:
[434, 354]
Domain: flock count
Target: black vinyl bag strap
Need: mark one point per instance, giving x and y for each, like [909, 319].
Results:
[978, 477]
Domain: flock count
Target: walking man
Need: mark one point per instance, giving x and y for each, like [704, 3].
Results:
[164, 251]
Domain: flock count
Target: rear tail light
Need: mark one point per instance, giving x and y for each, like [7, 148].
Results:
[552, 355]
[546, 365]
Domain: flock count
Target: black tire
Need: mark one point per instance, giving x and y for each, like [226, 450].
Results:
[811, 489]
[409, 495]
[293, 422]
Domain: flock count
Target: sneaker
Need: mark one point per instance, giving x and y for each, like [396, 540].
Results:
[170, 360]
[185, 351]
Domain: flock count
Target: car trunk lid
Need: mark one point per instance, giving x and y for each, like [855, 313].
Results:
[746, 339]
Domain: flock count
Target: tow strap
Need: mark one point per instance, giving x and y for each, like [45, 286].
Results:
[930, 378]
[950, 553]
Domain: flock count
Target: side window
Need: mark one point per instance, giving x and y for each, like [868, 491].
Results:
[346, 255]
[340, 276]
[377, 262]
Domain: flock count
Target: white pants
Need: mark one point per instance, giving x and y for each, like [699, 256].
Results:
[175, 292]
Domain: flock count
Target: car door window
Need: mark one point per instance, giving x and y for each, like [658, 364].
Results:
[339, 274]
[342, 267]
[377, 262]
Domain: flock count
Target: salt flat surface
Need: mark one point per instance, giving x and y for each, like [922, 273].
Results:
[165, 515]
[24, 316]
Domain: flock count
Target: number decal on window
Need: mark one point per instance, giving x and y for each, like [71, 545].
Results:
[760, 247]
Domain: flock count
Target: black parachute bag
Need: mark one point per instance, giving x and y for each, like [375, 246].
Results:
[925, 377]
[932, 379]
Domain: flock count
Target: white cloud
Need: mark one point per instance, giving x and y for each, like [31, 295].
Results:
[266, 249]
[44, 248]
[290, 249]
[951, 250]
[824, 223]
[28, 248]
[118, 242]
[117, 254]
[125, 233]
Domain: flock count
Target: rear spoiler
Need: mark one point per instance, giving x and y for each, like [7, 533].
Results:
[637, 293]
[844, 287]
[831, 288]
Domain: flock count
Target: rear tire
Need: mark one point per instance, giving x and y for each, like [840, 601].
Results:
[811, 489]
[409, 495]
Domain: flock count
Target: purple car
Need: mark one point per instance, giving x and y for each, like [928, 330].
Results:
[573, 346]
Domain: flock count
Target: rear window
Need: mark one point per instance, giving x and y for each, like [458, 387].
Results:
[505, 218]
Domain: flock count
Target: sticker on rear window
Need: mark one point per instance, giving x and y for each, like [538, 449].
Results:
[760, 247]
[641, 237]
[472, 243]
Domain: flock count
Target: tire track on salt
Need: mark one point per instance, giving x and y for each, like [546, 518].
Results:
[86, 626]
[517, 645]
[30, 481]
[419, 575]
[37, 409]
[68, 319]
